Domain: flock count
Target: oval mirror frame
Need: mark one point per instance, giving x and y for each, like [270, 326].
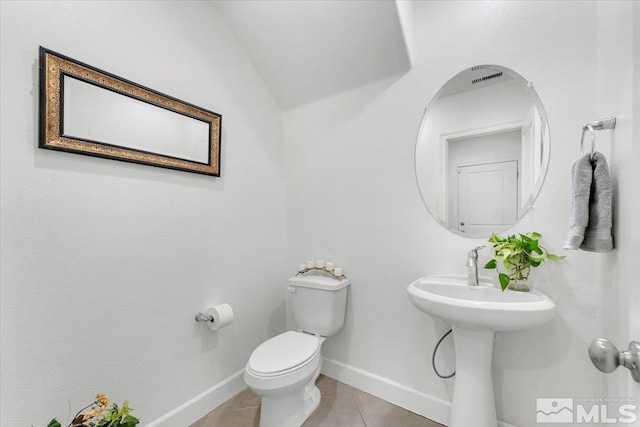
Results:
[482, 151]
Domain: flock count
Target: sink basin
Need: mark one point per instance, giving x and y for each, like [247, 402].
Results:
[476, 313]
[450, 298]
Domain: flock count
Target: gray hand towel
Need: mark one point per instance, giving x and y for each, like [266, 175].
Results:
[581, 176]
[598, 237]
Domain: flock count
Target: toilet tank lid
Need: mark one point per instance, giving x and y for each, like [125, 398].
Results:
[319, 282]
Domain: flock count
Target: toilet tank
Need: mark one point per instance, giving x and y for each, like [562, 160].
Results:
[319, 303]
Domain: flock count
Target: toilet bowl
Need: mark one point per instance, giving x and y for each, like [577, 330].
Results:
[283, 370]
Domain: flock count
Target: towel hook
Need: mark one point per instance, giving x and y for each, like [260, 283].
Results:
[593, 140]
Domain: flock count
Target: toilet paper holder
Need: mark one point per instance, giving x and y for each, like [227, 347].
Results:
[216, 317]
[201, 317]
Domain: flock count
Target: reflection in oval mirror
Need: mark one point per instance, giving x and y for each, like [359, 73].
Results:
[482, 151]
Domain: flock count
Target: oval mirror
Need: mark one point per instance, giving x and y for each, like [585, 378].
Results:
[482, 151]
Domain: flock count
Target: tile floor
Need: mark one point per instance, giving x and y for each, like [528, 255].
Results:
[341, 406]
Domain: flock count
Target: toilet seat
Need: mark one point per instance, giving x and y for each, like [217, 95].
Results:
[283, 354]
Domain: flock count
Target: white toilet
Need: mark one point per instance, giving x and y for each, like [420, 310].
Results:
[283, 370]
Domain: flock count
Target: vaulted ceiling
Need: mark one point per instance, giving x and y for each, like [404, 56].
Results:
[306, 50]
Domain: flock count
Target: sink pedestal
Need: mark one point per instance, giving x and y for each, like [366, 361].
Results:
[473, 402]
[476, 313]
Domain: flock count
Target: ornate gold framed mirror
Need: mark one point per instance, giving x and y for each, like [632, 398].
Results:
[88, 111]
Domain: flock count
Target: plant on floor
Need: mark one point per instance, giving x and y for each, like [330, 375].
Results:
[94, 415]
[517, 254]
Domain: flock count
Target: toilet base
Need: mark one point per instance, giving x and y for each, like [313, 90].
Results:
[288, 399]
[291, 409]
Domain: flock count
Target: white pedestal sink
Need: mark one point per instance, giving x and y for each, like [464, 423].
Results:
[476, 314]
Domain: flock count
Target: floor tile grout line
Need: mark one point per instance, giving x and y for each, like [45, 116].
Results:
[355, 401]
[351, 391]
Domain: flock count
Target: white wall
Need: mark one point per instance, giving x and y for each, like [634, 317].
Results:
[356, 150]
[104, 263]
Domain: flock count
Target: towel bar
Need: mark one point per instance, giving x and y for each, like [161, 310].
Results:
[608, 123]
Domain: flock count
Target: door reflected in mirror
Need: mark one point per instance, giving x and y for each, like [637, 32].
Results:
[482, 151]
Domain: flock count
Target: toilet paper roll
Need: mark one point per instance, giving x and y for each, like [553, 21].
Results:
[222, 316]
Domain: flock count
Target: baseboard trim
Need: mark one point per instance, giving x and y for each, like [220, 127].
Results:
[412, 400]
[191, 411]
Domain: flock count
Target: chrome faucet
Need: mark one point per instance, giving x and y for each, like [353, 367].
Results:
[472, 265]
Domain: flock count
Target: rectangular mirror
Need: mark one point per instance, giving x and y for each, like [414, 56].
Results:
[88, 111]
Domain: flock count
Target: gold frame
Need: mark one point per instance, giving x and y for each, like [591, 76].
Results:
[54, 66]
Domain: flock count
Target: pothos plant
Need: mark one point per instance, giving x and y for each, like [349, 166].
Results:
[98, 415]
[517, 254]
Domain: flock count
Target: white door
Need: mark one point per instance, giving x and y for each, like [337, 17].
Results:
[634, 335]
[487, 197]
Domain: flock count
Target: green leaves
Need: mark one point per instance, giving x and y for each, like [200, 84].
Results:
[129, 421]
[491, 264]
[517, 254]
[537, 258]
[505, 253]
[504, 281]
[113, 416]
[496, 239]
[118, 417]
